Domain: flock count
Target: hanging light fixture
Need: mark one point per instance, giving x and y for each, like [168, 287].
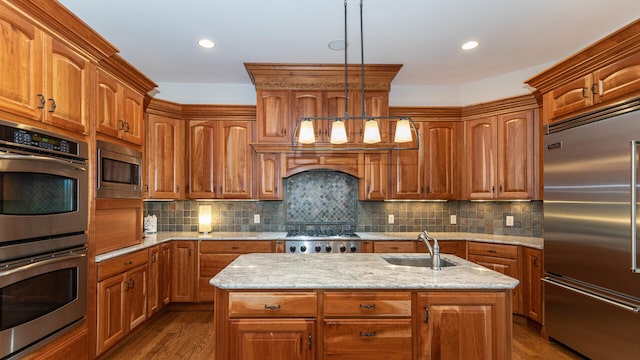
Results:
[404, 131]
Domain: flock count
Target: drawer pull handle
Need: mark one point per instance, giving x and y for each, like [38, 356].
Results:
[426, 315]
[368, 306]
[272, 307]
[491, 251]
[368, 334]
[129, 263]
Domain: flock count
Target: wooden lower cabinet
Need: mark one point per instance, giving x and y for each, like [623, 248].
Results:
[357, 339]
[122, 297]
[183, 271]
[463, 325]
[401, 246]
[354, 325]
[272, 339]
[159, 277]
[532, 273]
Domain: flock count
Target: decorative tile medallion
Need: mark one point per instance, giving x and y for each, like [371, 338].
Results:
[321, 197]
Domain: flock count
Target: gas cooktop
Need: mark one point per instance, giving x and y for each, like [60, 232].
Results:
[325, 241]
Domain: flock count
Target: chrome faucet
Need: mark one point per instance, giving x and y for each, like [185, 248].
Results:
[433, 250]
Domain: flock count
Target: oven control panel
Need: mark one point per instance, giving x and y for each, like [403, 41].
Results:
[31, 139]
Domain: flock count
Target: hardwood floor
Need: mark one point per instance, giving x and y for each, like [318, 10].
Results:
[186, 333]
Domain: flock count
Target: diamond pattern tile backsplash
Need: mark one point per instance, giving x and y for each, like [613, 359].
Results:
[321, 197]
[326, 200]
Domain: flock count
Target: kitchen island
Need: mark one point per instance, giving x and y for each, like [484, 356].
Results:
[331, 306]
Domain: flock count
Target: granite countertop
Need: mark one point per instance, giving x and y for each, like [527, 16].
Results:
[157, 238]
[361, 271]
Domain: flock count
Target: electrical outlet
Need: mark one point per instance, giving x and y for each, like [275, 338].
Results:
[256, 218]
[453, 220]
[509, 220]
[392, 219]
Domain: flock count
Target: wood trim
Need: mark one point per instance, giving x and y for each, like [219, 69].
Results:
[606, 51]
[498, 107]
[444, 113]
[320, 76]
[119, 67]
[58, 20]
[213, 112]
[164, 108]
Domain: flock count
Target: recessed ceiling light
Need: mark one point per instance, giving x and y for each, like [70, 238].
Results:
[337, 45]
[469, 45]
[206, 43]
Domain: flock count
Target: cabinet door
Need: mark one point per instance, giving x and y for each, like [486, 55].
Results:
[268, 182]
[111, 312]
[571, 97]
[154, 281]
[164, 288]
[309, 104]
[21, 54]
[235, 159]
[505, 266]
[107, 120]
[272, 111]
[132, 114]
[203, 147]
[408, 167]
[136, 293]
[618, 79]
[481, 156]
[374, 182]
[183, 271]
[282, 339]
[67, 87]
[463, 325]
[165, 157]
[441, 143]
[532, 284]
[515, 151]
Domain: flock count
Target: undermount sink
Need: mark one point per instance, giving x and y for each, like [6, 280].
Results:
[415, 261]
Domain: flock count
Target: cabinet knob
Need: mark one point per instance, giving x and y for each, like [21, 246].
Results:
[126, 127]
[120, 124]
[584, 92]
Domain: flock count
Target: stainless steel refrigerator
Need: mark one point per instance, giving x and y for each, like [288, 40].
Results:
[591, 194]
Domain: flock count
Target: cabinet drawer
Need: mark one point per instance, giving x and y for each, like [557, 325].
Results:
[394, 246]
[211, 264]
[120, 264]
[235, 247]
[498, 250]
[367, 339]
[363, 304]
[272, 304]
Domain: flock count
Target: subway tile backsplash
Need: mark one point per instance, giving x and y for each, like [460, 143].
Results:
[328, 201]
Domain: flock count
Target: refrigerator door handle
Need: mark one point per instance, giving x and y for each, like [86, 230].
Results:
[633, 309]
[634, 215]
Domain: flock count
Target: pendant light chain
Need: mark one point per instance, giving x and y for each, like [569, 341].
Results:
[364, 109]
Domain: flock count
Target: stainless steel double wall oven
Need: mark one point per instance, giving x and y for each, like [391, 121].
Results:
[43, 223]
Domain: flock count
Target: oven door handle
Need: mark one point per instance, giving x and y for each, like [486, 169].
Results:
[80, 167]
[30, 268]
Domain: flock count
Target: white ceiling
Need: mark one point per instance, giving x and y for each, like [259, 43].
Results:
[159, 37]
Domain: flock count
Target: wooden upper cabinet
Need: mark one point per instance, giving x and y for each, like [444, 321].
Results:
[309, 104]
[499, 152]
[617, 80]
[481, 156]
[376, 104]
[21, 66]
[373, 184]
[334, 106]
[267, 178]
[408, 167]
[272, 111]
[430, 172]
[571, 97]
[441, 143]
[515, 155]
[202, 155]
[220, 159]
[165, 157]
[67, 91]
[120, 110]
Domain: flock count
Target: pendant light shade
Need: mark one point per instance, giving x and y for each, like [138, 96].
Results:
[403, 131]
[307, 135]
[338, 132]
[371, 132]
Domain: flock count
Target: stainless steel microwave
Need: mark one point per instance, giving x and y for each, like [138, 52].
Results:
[119, 171]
